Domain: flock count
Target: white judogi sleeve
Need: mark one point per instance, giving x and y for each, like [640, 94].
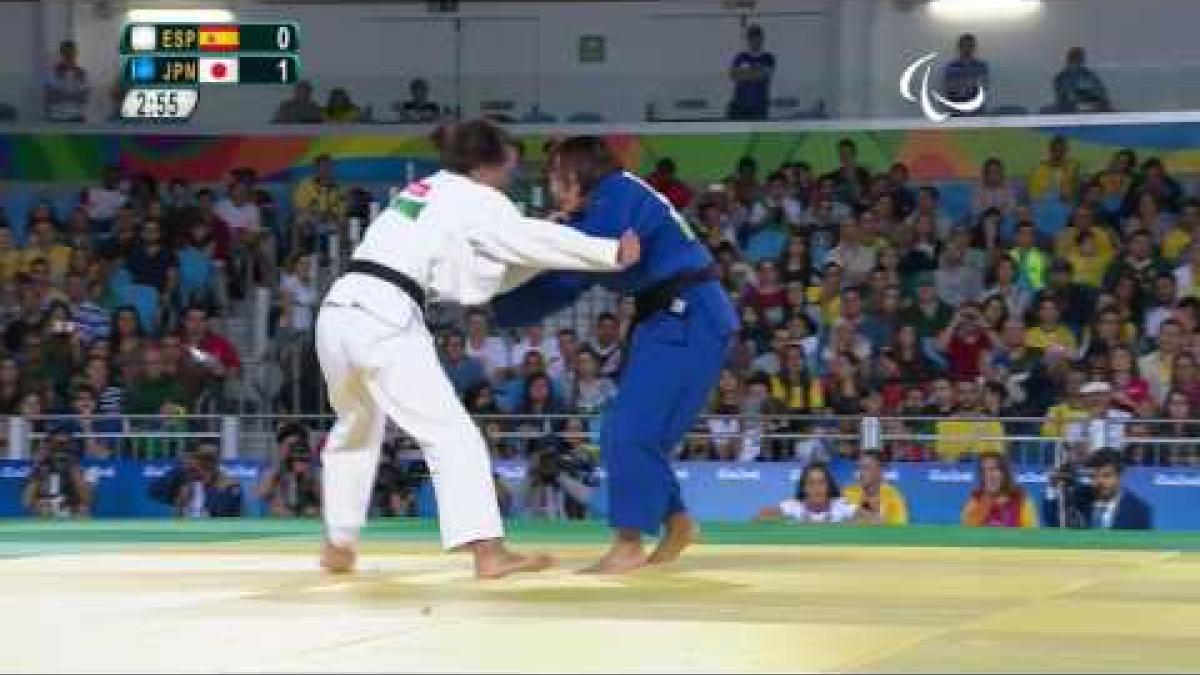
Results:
[527, 242]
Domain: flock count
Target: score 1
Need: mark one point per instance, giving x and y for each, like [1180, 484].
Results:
[269, 69]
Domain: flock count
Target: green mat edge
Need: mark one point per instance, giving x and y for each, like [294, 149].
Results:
[23, 534]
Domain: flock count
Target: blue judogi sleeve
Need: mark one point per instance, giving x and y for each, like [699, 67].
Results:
[544, 295]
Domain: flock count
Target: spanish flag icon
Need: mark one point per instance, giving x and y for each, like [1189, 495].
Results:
[219, 38]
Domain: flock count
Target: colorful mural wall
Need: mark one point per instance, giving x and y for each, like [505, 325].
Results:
[941, 154]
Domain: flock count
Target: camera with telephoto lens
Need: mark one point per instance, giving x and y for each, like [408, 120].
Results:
[1068, 480]
[553, 456]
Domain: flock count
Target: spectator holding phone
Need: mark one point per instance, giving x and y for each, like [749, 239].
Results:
[878, 502]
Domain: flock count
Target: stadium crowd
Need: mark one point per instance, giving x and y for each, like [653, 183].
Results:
[1066, 295]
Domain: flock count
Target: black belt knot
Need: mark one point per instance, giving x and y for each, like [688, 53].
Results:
[661, 295]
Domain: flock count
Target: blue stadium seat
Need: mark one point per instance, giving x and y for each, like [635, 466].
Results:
[955, 201]
[195, 273]
[1051, 216]
[144, 300]
[765, 245]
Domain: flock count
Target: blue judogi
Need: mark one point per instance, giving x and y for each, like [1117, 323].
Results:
[674, 358]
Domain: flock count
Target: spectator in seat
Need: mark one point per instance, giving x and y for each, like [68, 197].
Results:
[956, 281]
[1138, 262]
[817, 500]
[28, 321]
[319, 203]
[10, 386]
[878, 502]
[300, 108]
[340, 109]
[929, 207]
[590, 391]
[1117, 177]
[766, 295]
[1004, 286]
[964, 342]
[929, 313]
[45, 245]
[850, 180]
[606, 343]
[206, 348]
[777, 208]
[298, 296]
[1156, 365]
[1102, 504]
[99, 435]
[535, 340]
[665, 181]
[1131, 391]
[1077, 88]
[852, 254]
[965, 76]
[1148, 214]
[153, 388]
[198, 488]
[1030, 261]
[464, 371]
[1164, 304]
[66, 88]
[1155, 180]
[994, 190]
[1181, 236]
[490, 350]
[1048, 333]
[751, 72]
[998, 501]
[1102, 419]
[56, 487]
[11, 257]
[1057, 176]
[151, 263]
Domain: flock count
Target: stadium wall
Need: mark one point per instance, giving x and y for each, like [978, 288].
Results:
[714, 491]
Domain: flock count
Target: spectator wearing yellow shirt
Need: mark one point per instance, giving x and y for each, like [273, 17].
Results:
[878, 502]
[340, 109]
[968, 432]
[44, 245]
[1083, 219]
[1180, 236]
[11, 257]
[1089, 262]
[1071, 409]
[1117, 177]
[998, 501]
[1049, 334]
[1057, 176]
[794, 386]
[319, 204]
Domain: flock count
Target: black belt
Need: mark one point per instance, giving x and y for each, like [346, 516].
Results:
[662, 296]
[394, 277]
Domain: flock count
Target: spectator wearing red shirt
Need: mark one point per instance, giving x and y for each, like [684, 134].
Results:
[766, 296]
[206, 348]
[663, 179]
[965, 342]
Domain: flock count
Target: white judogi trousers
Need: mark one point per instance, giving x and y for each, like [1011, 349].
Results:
[375, 369]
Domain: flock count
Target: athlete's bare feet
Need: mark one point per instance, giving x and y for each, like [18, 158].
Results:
[494, 561]
[337, 559]
[625, 555]
[681, 532]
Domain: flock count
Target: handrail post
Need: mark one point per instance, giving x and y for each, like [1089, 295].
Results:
[870, 435]
[18, 437]
[230, 436]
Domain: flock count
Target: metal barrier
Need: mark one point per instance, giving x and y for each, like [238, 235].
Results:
[1032, 441]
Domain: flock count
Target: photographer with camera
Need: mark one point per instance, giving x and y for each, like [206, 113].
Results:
[197, 488]
[56, 487]
[292, 487]
[558, 485]
[1091, 496]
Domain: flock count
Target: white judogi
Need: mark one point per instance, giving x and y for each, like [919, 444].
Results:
[461, 241]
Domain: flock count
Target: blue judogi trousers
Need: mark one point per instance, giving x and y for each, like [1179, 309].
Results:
[673, 363]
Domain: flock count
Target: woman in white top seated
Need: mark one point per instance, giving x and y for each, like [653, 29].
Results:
[818, 500]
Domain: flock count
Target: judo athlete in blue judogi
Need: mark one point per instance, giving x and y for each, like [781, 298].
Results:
[678, 343]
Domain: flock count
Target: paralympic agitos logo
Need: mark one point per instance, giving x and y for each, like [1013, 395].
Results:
[927, 97]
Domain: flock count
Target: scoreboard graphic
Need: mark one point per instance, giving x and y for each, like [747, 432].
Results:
[164, 65]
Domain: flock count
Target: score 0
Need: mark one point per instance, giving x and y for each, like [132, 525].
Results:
[269, 37]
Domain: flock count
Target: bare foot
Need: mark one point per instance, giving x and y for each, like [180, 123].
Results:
[617, 561]
[681, 533]
[507, 563]
[337, 559]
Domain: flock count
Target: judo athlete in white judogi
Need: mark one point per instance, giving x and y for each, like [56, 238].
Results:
[457, 237]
